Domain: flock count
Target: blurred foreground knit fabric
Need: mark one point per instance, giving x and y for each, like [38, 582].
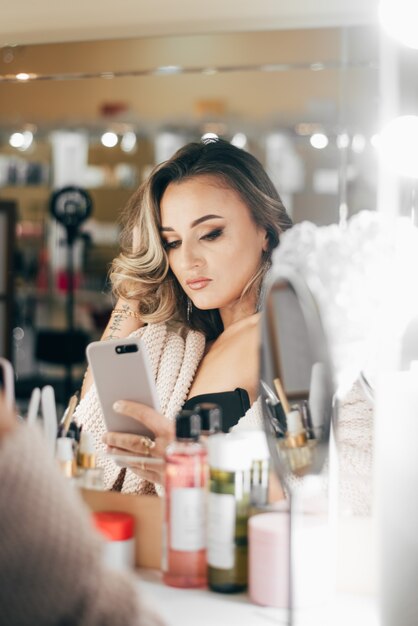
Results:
[51, 572]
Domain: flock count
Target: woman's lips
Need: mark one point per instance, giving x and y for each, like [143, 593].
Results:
[198, 283]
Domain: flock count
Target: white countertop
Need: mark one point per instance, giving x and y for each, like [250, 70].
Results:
[200, 607]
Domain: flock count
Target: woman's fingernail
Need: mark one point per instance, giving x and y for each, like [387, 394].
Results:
[117, 406]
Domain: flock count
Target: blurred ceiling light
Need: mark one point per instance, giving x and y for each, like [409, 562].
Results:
[399, 20]
[23, 76]
[207, 137]
[307, 128]
[317, 67]
[275, 67]
[128, 142]
[109, 139]
[21, 141]
[343, 141]
[318, 141]
[239, 140]
[398, 145]
[169, 69]
[358, 143]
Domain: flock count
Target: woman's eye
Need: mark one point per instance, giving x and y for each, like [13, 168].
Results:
[214, 234]
[171, 245]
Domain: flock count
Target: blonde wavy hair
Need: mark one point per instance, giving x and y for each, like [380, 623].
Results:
[141, 271]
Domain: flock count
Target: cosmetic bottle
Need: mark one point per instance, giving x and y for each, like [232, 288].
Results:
[89, 476]
[86, 454]
[260, 470]
[64, 455]
[210, 419]
[296, 444]
[118, 532]
[184, 526]
[228, 507]
[260, 465]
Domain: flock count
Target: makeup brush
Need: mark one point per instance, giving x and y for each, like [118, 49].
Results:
[282, 396]
[68, 416]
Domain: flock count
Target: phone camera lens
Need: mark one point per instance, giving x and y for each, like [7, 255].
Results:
[118, 349]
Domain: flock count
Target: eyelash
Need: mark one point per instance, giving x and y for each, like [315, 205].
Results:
[214, 234]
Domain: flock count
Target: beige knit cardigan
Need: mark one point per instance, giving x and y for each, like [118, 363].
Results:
[174, 358]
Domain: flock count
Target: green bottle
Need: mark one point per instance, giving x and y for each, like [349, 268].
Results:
[228, 507]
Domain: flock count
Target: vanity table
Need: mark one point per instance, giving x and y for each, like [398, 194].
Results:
[188, 607]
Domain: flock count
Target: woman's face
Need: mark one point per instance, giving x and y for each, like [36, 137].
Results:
[214, 248]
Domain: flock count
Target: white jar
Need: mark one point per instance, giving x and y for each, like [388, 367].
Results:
[118, 531]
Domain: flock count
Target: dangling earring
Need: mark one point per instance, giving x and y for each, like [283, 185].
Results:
[260, 297]
[262, 287]
[189, 309]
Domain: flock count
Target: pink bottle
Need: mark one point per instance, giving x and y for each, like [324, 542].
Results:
[184, 530]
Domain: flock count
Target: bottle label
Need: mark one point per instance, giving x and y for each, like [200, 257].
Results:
[164, 555]
[221, 531]
[187, 523]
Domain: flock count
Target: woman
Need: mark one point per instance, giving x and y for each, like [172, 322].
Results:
[197, 243]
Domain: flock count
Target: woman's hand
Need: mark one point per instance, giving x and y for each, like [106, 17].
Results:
[123, 443]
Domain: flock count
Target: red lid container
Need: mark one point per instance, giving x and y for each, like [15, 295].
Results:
[113, 525]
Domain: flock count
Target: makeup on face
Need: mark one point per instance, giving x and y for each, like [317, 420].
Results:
[214, 247]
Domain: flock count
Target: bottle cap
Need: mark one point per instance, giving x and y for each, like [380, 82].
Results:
[229, 452]
[64, 450]
[211, 417]
[188, 425]
[115, 526]
[87, 443]
[294, 422]
[86, 456]
[258, 443]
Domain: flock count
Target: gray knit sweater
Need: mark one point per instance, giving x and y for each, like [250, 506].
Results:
[51, 571]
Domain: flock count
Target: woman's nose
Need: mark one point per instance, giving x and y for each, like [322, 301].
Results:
[190, 256]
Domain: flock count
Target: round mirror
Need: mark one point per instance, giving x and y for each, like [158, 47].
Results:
[297, 385]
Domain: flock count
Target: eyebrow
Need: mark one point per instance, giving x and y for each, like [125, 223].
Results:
[199, 220]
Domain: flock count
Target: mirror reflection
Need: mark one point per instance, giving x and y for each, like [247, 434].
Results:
[101, 114]
[297, 385]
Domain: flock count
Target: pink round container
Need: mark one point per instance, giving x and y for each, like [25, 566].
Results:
[268, 535]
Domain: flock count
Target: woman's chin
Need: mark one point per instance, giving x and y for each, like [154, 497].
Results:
[207, 305]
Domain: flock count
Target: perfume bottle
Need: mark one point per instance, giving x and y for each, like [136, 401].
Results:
[65, 456]
[260, 465]
[210, 419]
[230, 462]
[299, 453]
[184, 526]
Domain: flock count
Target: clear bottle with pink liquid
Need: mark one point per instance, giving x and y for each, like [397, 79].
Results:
[184, 527]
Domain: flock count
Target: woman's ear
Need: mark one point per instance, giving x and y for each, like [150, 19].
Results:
[266, 242]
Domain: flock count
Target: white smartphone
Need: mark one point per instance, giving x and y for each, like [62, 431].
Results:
[122, 371]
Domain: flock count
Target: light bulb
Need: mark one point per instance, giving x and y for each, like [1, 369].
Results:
[208, 137]
[239, 140]
[319, 141]
[128, 141]
[399, 20]
[109, 139]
